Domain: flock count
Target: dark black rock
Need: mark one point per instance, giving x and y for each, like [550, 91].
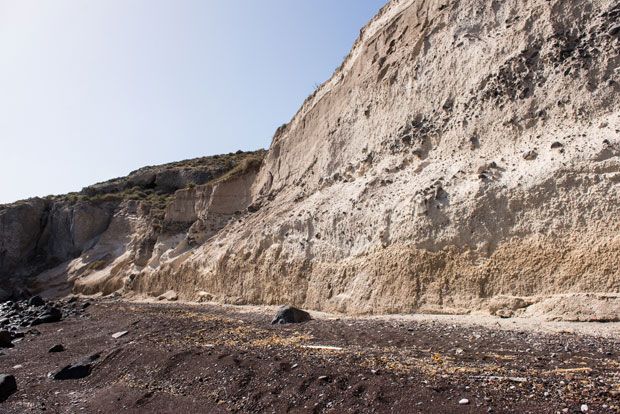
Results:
[290, 314]
[77, 370]
[49, 316]
[5, 339]
[57, 348]
[36, 301]
[8, 386]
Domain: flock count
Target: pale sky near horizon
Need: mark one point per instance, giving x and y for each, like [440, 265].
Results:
[91, 90]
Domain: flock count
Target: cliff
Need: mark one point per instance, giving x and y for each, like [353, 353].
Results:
[464, 157]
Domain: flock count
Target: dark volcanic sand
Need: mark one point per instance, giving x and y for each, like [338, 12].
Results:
[208, 359]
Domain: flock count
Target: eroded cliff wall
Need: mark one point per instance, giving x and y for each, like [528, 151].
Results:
[465, 156]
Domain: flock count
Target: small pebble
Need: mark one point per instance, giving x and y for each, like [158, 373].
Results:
[464, 401]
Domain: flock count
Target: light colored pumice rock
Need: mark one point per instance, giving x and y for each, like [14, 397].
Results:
[408, 181]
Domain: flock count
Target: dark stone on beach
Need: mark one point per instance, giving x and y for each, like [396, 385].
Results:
[6, 339]
[290, 314]
[8, 386]
[36, 301]
[50, 316]
[57, 348]
[77, 370]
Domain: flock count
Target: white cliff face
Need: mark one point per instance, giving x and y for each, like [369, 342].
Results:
[100, 239]
[465, 157]
[466, 153]
[137, 246]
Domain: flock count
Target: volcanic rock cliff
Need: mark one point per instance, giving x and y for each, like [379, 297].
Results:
[465, 156]
[94, 240]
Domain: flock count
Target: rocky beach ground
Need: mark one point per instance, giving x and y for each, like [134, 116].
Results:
[163, 358]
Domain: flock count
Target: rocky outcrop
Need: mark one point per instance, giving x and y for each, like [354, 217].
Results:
[99, 239]
[464, 157]
[464, 151]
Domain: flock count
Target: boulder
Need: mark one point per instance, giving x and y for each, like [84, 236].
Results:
[8, 386]
[290, 314]
[203, 296]
[5, 339]
[36, 301]
[170, 295]
[57, 348]
[49, 316]
[76, 370]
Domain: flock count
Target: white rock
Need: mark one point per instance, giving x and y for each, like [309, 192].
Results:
[170, 295]
[584, 408]
[464, 401]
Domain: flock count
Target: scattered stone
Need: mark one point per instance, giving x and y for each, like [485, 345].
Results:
[119, 334]
[8, 386]
[36, 301]
[290, 314]
[77, 370]
[49, 316]
[530, 155]
[170, 296]
[6, 339]
[584, 408]
[556, 145]
[57, 348]
[203, 296]
[464, 401]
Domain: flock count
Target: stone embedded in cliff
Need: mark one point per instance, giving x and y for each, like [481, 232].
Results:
[290, 314]
[170, 296]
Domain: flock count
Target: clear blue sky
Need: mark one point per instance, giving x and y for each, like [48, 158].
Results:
[90, 90]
